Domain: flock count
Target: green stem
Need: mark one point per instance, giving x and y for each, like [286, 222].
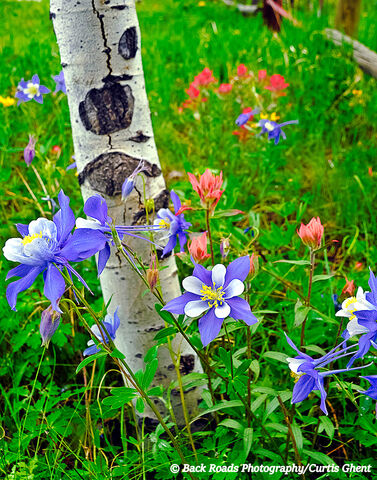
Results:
[307, 302]
[208, 223]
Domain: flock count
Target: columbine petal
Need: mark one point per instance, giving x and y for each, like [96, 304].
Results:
[239, 269]
[20, 285]
[234, 289]
[96, 207]
[203, 274]
[305, 385]
[209, 327]
[240, 310]
[176, 201]
[195, 308]
[103, 257]
[192, 284]
[218, 275]
[64, 219]
[222, 311]
[177, 305]
[54, 286]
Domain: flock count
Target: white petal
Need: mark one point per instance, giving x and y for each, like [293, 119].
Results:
[235, 288]
[14, 251]
[192, 284]
[343, 313]
[84, 223]
[44, 226]
[218, 275]
[223, 311]
[354, 328]
[196, 308]
[294, 363]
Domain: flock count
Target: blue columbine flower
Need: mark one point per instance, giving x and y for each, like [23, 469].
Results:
[372, 390]
[31, 90]
[310, 378]
[111, 324]
[175, 225]
[217, 293]
[48, 246]
[362, 313]
[60, 83]
[129, 183]
[244, 117]
[274, 129]
[96, 207]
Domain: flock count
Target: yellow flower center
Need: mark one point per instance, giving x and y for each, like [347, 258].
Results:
[214, 296]
[164, 224]
[32, 89]
[296, 376]
[347, 304]
[30, 238]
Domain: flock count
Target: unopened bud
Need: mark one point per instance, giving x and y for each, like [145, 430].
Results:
[50, 320]
[152, 273]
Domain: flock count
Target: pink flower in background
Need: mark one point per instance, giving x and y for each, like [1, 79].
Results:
[198, 248]
[254, 264]
[242, 70]
[349, 287]
[225, 88]
[358, 266]
[205, 77]
[192, 91]
[262, 75]
[56, 150]
[312, 233]
[208, 188]
[277, 83]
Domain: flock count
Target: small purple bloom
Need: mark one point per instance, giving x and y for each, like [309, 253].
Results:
[372, 390]
[243, 118]
[310, 376]
[31, 90]
[217, 293]
[47, 247]
[29, 151]
[129, 183]
[96, 208]
[111, 324]
[71, 166]
[175, 225]
[274, 129]
[60, 83]
[50, 320]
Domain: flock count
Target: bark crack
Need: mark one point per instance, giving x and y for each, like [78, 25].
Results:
[107, 49]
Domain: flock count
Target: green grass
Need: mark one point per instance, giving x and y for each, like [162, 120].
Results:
[320, 170]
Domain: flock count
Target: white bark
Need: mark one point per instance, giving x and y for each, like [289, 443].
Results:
[99, 42]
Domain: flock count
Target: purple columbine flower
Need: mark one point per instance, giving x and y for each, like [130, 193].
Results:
[217, 294]
[29, 151]
[243, 118]
[274, 129]
[362, 313]
[31, 90]
[129, 183]
[60, 83]
[96, 208]
[372, 390]
[111, 324]
[50, 321]
[310, 376]
[175, 225]
[48, 246]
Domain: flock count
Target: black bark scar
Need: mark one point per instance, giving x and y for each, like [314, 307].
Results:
[127, 46]
[107, 172]
[108, 109]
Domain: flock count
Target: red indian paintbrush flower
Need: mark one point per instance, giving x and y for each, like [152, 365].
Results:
[349, 287]
[277, 83]
[198, 248]
[311, 234]
[241, 70]
[208, 188]
[225, 88]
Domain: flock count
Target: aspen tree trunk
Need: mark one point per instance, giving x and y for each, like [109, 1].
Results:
[99, 42]
[348, 16]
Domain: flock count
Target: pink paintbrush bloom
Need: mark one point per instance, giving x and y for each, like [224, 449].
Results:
[349, 288]
[225, 88]
[262, 74]
[208, 188]
[277, 83]
[312, 233]
[198, 248]
[192, 91]
[205, 77]
[241, 70]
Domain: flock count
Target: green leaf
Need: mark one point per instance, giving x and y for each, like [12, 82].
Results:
[151, 354]
[247, 440]
[117, 354]
[225, 404]
[281, 357]
[119, 396]
[230, 423]
[90, 359]
[328, 426]
[140, 405]
[294, 262]
[243, 367]
[320, 457]
[298, 436]
[301, 312]
[166, 316]
[165, 332]
[150, 371]
[319, 278]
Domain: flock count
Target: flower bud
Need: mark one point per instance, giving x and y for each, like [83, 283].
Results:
[50, 320]
[224, 247]
[152, 273]
[349, 288]
[311, 234]
[198, 248]
[254, 265]
[29, 151]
